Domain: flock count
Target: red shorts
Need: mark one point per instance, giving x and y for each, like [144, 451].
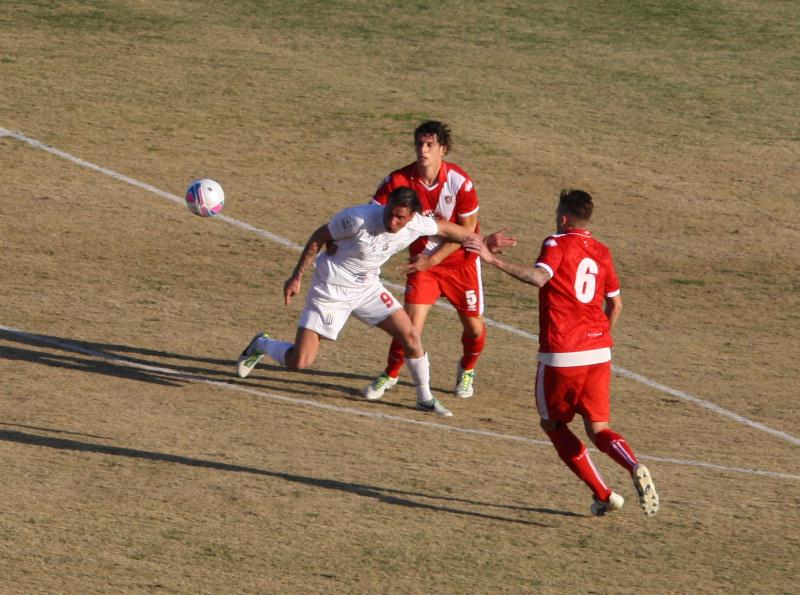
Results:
[461, 286]
[563, 392]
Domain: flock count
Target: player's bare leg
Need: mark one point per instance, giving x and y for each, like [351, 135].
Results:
[304, 352]
[473, 339]
[616, 447]
[417, 313]
[400, 327]
[295, 356]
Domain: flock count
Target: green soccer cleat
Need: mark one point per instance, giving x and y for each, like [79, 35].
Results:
[464, 381]
[250, 357]
[377, 387]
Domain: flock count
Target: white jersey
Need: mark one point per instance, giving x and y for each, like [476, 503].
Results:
[363, 244]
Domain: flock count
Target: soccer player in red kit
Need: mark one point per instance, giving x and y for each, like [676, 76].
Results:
[437, 267]
[579, 304]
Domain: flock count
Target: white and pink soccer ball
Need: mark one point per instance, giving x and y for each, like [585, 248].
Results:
[205, 197]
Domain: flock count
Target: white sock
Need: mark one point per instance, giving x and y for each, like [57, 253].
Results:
[421, 373]
[275, 349]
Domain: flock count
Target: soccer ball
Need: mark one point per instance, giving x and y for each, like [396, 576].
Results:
[205, 198]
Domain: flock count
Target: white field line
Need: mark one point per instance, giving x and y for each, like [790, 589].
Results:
[243, 388]
[679, 394]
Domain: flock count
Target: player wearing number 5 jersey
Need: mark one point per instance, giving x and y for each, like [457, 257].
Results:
[438, 268]
[347, 282]
[579, 304]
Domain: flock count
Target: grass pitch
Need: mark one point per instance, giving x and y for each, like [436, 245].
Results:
[135, 460]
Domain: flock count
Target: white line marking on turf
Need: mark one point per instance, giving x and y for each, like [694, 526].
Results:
[519, 332]
[243, 388]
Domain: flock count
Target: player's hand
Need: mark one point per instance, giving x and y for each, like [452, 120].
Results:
[498, 240]
[476, 245]
[417, 263]
[291, 288]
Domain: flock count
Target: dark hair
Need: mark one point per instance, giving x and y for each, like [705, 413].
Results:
[439, 129]
[576, 203]
[404, 197]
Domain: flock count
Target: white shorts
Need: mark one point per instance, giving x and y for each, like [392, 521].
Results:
[329, 306]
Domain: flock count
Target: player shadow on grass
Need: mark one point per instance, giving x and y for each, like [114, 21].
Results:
[385, 495]
[107, 349]
[274, 373]
[82, 353]
[284, 381]
[86, 364]
[98, 358]
[109, 359]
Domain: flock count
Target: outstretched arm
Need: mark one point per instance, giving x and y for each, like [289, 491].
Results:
[498, 240]
[527, 274]
[292, 285]
[454, 232]
[422, 262]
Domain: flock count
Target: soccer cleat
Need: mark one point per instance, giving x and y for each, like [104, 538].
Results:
[250, 357]
[614, 502]
[434, 406]
[648, 497]
[380, 385]
[464, 381]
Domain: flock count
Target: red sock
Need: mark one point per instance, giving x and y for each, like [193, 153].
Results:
[614, 445]
[473, 346]
[396, 359]
[574, 453]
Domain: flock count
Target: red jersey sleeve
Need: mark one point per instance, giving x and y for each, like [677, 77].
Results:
[394, 180]
[550, 256]
[466, 196]
[381, 195]
[611, 287]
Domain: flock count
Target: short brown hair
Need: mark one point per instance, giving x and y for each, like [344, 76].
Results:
[439, 129]
[576, 203]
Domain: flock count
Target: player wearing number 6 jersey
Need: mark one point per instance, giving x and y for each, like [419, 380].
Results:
[347, 282]
[579, 304]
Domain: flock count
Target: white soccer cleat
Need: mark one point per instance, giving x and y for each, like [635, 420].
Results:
[377, 387]
[614, 502]
[464, 381]
[648, 497]
[434, 406]
[250, 357]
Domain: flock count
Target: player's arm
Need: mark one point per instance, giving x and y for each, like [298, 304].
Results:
[469, 223]
[314, 244]
[532, 275]
[455, 233]
[494, 242]
[613, 308]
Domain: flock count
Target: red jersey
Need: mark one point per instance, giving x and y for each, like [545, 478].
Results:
[452, 196]
[573, 327]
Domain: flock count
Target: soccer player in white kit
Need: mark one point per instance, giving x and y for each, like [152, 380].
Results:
[347, 282]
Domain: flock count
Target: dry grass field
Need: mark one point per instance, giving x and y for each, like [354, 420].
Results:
[135, 461]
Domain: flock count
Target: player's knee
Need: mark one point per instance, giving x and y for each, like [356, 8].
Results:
[412, 339]
[549, 425]
[300, 361]
[470, 334]
[474, 327]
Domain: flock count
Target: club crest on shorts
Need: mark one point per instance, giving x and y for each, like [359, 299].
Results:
[328, 318]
